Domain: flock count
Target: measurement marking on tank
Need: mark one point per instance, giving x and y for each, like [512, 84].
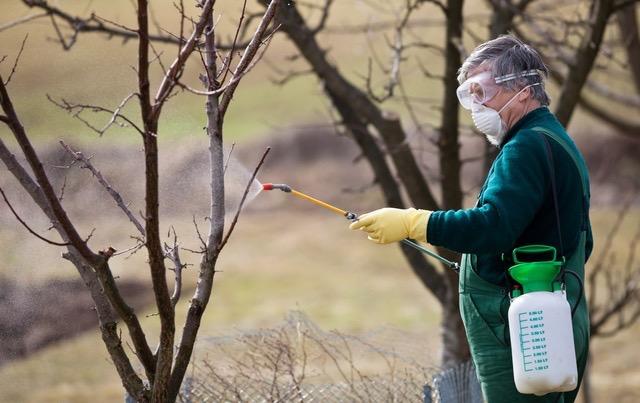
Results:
[534, 340]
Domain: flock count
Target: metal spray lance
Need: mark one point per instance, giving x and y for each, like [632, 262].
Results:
[353, 217]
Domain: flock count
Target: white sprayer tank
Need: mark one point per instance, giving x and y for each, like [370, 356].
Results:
[542, 348]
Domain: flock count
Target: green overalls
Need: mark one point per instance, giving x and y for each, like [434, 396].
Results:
[515, 208]
[484, 307]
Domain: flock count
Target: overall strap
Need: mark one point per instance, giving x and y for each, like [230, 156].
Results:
[581, 170]
[554, 190]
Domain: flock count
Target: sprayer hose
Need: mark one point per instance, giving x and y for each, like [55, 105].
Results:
[574, 274]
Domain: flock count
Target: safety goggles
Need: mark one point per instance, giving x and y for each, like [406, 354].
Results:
[483, 87]
[477, 90]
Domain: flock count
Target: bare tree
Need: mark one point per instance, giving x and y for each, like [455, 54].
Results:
[163, 371]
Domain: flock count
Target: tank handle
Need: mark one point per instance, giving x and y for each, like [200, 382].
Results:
[528, 253]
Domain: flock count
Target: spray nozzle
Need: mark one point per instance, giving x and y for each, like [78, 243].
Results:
[281, 186]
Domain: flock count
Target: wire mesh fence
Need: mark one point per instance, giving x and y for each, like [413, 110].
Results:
[299, 362]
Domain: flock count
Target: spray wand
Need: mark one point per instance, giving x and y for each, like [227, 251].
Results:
[354, 217]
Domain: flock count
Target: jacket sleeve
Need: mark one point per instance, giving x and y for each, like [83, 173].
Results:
[514, 192]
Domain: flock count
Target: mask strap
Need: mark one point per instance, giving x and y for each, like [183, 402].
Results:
[514, 97]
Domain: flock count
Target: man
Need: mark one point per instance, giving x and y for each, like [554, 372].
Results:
[502, 84]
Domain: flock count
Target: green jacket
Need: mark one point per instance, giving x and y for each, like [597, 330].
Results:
[515, 206]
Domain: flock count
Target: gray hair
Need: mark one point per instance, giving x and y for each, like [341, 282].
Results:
[509, 55]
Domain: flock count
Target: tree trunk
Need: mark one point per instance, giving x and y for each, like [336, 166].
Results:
[454, 339]
[587, 391]
[628, 25]
[585, 56]
[362, 116]
[448, 145]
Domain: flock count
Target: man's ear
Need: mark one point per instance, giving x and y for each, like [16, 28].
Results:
[524, 95]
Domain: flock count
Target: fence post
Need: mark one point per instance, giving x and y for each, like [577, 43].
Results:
[427, 393]
[458, 385]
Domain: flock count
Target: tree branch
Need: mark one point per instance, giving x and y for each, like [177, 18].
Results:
[104, 309]
[323, 18]
[81, 25]
[15, 64]
[248, 56]
[585, 56]
[602, 90]
[22, 20]
[622, 4]
[41, 177]
[24, 224]
[235, 42]
[215, 118]
[76, 109]
[173, 253]
[242, 200]
[79, 156]
[176, 68]
[216, 219]
[623, 126]
[152, 220]
[426, 272]
[387, 125]
[630, 37]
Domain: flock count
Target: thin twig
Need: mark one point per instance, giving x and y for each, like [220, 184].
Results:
[173, 253]
[248, 56]
[132, 249]
[72, 39]
[235, 40]
[175, 70]
[115, 24]
[27, 227]
[202, 241]
[182, 16]
[226, 165]
[79, 156]
[15, 64]
[22, 20]
[244, 197]
[76, 109]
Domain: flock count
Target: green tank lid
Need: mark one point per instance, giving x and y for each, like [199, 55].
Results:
[535, 275]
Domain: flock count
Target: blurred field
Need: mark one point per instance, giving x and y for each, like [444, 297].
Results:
[307, 261]
[285, 255]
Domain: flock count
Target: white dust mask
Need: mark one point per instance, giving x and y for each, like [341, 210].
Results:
[489, 122]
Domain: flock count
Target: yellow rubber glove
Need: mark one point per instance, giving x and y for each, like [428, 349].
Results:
[388, 225]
